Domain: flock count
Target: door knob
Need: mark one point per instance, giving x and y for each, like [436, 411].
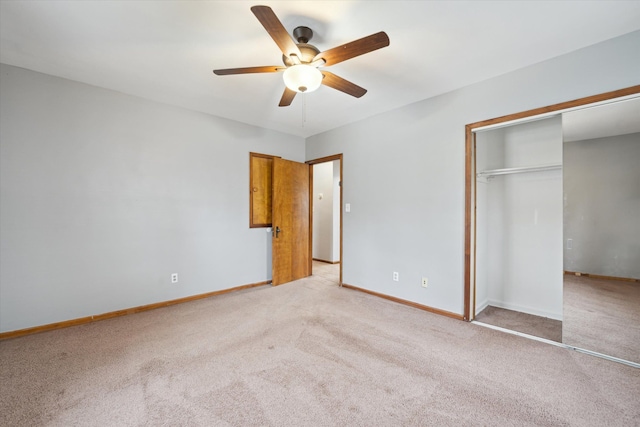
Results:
[277, 231]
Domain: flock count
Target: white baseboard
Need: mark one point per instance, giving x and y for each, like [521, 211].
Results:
[484, 304]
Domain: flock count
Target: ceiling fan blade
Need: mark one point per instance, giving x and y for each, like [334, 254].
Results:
[249, 70]
[287, 97]
[342, 85]
[276, 30]
[355, 48]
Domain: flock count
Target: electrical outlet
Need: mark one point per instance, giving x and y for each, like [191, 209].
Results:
[396, 276]
[425, 282]
[174, 278]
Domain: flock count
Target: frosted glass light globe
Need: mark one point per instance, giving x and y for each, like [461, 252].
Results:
[302, 78]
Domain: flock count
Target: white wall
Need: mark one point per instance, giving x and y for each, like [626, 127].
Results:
[519, 220]
[323, 211]
[490, 154]
[104, 195]
[602, 206]
[326, 211]
[404, 170]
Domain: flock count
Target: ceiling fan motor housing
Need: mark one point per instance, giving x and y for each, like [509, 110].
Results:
[303, 34]
[308, 51]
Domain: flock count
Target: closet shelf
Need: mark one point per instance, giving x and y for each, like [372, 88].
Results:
[495, 172]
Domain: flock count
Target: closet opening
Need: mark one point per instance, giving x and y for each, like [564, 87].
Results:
[517, 243]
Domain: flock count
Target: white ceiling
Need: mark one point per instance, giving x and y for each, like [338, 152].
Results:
[166, 50]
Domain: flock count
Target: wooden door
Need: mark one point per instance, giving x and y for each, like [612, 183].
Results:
[291, 254]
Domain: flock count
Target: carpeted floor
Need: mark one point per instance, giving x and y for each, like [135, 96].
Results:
[326, 271]
[603, 316]
[599, 315]
[537, 326]
[305, 353]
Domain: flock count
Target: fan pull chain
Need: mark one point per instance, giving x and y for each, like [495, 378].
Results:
[304, 109]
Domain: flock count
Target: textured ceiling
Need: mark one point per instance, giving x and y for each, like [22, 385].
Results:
[166, 50]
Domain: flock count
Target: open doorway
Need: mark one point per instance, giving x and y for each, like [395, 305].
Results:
[326, 229]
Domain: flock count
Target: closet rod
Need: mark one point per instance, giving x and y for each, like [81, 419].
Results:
[494, 172]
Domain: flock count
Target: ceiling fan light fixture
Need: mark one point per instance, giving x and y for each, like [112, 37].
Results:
[302, 78]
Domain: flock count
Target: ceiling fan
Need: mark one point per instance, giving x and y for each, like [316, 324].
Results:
[302, 60]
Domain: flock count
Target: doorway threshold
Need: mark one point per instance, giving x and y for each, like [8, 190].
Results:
[559, 344]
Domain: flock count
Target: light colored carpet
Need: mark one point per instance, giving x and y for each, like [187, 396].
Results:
[326, 271]
[603, 316]
[305, 353]
[537, 326]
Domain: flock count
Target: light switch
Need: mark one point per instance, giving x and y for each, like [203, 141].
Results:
[347, 207]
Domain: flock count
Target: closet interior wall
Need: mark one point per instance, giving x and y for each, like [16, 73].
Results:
[519, 213]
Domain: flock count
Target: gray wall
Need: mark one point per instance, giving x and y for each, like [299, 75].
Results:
[602, 206]
[404, 170]
[104, 195]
